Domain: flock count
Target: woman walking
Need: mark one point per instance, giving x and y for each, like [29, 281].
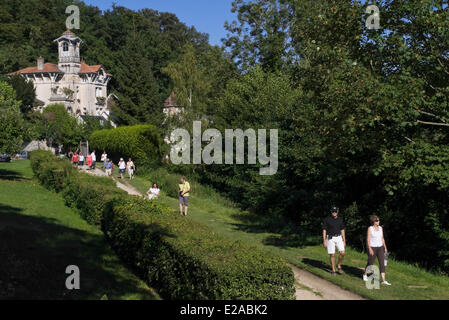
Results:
[376, 248]
[104, 158]
[89, 161]
[131, 168]
[75, 159]
[81, 161]
[122, 168]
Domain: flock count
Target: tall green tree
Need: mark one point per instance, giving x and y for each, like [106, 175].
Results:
[261, 34]
[25, 93]
[11, 120]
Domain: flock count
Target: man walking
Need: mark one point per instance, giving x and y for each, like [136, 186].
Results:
[334, 236]
[184, 193]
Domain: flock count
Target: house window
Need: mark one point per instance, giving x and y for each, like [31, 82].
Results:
[98, 92]
[65, 46]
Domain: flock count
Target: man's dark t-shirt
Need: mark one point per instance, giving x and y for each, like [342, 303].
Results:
[333, 226]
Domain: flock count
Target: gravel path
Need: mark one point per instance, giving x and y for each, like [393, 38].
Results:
[307, 285]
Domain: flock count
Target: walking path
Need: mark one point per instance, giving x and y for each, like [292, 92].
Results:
[307, 285]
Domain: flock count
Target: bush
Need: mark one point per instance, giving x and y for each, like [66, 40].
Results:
[186, 260]
[90, 195]
[52, 172]
[142, 143]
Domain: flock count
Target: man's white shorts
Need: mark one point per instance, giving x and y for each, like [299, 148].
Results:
[335, 242]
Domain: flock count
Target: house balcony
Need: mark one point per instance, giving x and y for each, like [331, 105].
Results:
[69, 59]
[101, 101]
[61, 98]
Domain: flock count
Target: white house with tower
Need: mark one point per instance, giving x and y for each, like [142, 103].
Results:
[81, 88]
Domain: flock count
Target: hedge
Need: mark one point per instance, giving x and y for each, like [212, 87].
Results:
[142, 143]
[52, 172]
[181, 258]
[187, 260]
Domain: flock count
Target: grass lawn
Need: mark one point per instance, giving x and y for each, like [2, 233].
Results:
[40, 237]
[408, 282]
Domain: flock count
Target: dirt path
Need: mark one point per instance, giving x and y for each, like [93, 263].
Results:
[307, 285]
[319, 288]
[124, 186]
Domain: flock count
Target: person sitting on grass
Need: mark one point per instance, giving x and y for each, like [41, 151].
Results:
[184, 192]
[154, 192]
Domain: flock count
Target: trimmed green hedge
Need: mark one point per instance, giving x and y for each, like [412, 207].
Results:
[52, 172]
[181, 258]
[187, 260]
[142, 143]
[90, 195]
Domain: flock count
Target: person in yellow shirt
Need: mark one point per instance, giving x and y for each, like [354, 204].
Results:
[184, 193]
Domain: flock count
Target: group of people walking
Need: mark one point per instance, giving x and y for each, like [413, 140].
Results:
[123, 166]
[334, 237]
[154, 192]
[79, 161]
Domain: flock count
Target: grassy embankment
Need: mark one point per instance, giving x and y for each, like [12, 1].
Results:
[40, 237]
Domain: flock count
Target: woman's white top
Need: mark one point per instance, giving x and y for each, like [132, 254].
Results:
[104, 156]
[130, 164]
[376, 237]
[122, 165]
[154, 193]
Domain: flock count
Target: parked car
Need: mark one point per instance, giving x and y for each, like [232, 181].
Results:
[5, 158]
[22, 155]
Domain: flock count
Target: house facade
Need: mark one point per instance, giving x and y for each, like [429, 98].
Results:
[81, 88]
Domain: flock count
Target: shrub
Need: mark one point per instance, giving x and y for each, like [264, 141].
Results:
[52, 172]
[142, 143]
[186, 260]
[90, 195]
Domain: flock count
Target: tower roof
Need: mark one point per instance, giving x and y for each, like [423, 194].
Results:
[68, 34]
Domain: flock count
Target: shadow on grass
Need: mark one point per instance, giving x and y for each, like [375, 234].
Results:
[35, 252]
[11, 175]
[351, 271]
[284, 234]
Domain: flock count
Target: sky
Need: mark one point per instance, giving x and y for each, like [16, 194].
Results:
[207, 16]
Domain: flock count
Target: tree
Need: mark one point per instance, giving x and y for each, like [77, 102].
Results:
[139, 99]
[61, 127]
[11, 121]
[25, 93]
[190, 82]
[262, 34]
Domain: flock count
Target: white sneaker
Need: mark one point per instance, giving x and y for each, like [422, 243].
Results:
[365, 277]
[386, 283]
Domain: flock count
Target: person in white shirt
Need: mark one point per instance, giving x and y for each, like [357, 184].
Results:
[154, 192]
[376, 248]
[122, 168]
[81, 161]
[131, 168]
[104, 158]
[94, 160]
